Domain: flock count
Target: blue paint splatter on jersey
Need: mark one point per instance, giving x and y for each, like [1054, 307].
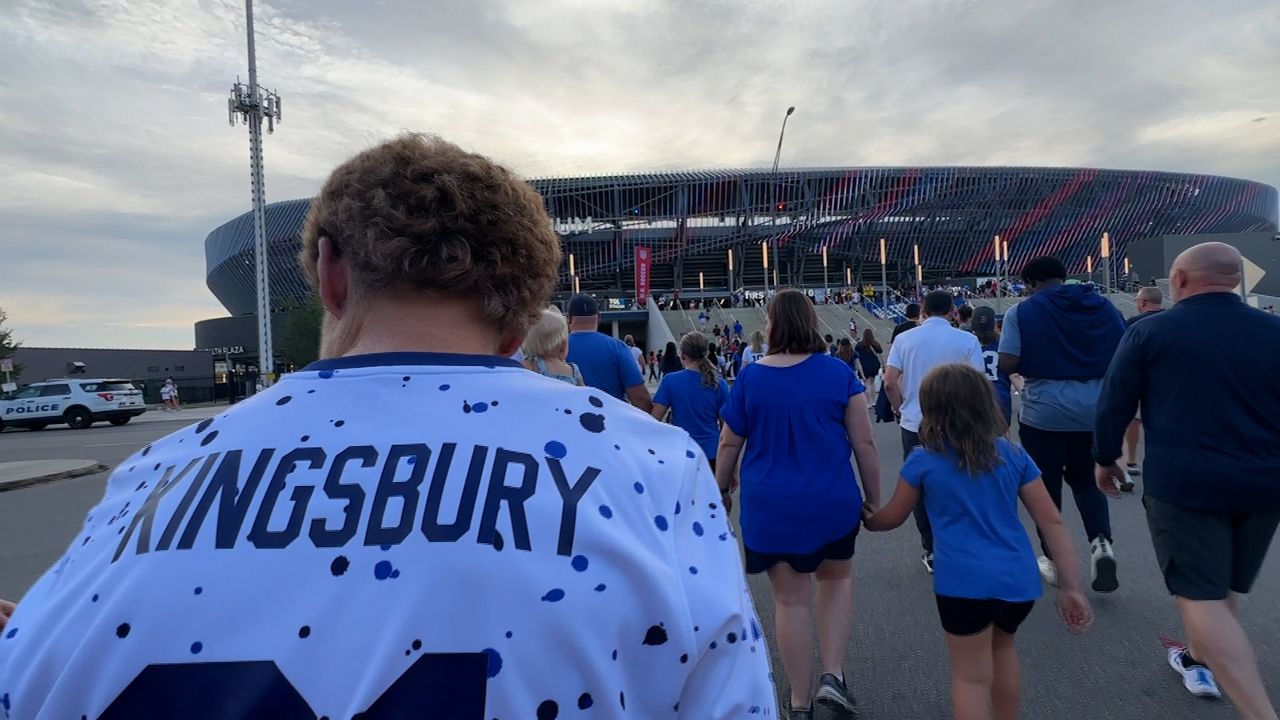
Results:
[197, 591]
[555, 449]
[579, 563]
[677, 507]
[690, 454]
[339, 565]
[284, 400]
[444, 388]
[592, 422]
[697, 529]
[639, 488]
[606, 512]
[655, 635]
[395, 573]
[595, 401]
[585, 701]
[196, 647]
[661, 522]
[508, 633]
[480, 407]
[548, 710]
[94, 598]
[693, 570]
[553, 595]
[11, 633]
[382, 570]
[495, 660]
[325, 374]
[600, 587]
[755, 630]
[385, 548]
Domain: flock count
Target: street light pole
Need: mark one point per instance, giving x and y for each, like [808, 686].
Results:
[252, 105]
[884, 280]
[916, 251]
[777, 157]
[999, 276]
[826, 284]
[1106, 261]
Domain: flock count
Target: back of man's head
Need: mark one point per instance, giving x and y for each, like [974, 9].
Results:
[966, 313]
[913, 311]
[1205, 268]
[1151, 296]
[583, 311]
[1044, 269]
[419, 215]
[939, 303]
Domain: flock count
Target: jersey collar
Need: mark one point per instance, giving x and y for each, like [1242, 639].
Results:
[390, 359]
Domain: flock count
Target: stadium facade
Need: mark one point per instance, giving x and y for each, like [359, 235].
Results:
[694, 222]
[691, 220]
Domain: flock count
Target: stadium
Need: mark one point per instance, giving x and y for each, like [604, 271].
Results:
[711, 230]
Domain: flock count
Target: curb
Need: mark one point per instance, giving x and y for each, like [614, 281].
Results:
[41, 479]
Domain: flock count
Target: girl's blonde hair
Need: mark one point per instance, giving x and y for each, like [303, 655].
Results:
[547, 335]
[697, 348]
[757, 342]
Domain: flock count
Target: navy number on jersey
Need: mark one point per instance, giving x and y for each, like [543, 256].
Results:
[991, 361]
[450, 685]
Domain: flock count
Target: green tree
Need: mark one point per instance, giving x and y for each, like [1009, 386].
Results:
[8, 345]
[300, 344]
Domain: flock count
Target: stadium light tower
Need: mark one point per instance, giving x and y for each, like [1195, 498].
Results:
[251, 104]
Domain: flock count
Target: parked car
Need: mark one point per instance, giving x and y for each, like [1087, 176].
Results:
[78, 403]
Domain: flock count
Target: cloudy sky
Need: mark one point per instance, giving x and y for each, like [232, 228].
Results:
[116, 158]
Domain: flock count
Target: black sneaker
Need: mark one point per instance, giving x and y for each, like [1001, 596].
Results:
[833, 694]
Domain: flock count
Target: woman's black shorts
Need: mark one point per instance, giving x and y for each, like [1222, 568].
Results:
[966, 616]
[839, 549]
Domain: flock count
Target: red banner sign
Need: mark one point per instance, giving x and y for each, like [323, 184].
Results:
[642, 274]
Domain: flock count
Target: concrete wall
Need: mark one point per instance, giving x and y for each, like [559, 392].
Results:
[1152, 257]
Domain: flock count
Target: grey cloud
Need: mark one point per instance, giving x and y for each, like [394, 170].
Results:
[115, 143]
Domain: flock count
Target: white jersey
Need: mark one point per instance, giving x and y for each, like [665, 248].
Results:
[445, 536]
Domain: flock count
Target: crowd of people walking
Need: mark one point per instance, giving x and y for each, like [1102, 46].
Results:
[616, 526]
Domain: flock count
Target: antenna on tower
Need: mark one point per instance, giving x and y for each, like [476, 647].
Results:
[251, 104]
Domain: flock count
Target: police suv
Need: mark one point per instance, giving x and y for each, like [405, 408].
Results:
[78, 403]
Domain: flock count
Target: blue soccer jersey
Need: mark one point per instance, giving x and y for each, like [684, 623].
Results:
[390, 535]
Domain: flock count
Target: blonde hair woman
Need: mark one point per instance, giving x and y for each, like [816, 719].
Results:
[546, 347]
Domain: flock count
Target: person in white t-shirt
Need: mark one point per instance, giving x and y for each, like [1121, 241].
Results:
[414, 524]
[911, 356]
[636, 353]
[755, 350]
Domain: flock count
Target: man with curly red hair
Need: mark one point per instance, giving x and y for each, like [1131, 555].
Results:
[414, 524]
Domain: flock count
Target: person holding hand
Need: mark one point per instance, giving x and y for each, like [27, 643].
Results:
[796, 416]
[985, 575]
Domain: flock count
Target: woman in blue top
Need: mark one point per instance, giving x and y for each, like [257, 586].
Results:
[985, 573]
[795, 416]
[694, 395]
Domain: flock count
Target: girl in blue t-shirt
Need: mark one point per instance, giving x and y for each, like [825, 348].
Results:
[694, 395]
[985, 574]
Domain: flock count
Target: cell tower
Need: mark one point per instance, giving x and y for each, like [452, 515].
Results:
[251, 104]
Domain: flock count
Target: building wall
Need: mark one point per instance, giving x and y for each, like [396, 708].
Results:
[192, 370]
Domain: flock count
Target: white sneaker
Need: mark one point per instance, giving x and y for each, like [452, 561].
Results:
[1048, 570]
[1126, 481]
[1197, 679]
[1104, 566]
